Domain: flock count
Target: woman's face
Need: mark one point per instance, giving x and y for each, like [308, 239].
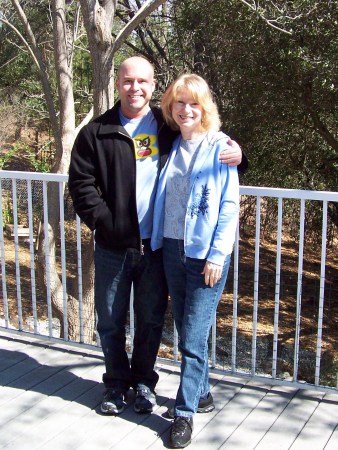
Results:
[187, 113]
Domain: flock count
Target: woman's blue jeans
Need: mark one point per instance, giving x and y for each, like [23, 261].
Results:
[115, 272]
[194, 306]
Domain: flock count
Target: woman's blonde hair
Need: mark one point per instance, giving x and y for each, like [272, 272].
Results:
[199, 90]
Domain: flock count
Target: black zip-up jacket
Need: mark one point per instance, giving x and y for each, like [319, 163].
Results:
[102, 178]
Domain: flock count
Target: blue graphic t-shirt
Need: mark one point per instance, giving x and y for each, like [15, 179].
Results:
[144, 134]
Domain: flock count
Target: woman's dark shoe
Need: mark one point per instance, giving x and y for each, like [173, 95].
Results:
[181, 431]
[204, 406]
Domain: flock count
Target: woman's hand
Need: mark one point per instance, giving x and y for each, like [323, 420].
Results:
[212, 273]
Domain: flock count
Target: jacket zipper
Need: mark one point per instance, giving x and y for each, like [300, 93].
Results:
[140, 238]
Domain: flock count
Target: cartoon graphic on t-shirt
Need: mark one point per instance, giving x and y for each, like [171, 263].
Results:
[145, 146]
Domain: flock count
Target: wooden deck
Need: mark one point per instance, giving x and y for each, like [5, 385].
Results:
[49, 398]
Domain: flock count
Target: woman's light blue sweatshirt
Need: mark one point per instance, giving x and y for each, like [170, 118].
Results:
[213, 206]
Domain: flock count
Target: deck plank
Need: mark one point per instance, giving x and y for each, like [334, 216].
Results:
[31, 408]
[291, 421]
[234, 404]
[257, 423]
[333, 441]
[320, 426]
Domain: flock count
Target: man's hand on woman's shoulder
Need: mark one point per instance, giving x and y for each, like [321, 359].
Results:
[232, 155]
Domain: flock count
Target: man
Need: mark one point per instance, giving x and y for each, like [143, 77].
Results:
[112, 180]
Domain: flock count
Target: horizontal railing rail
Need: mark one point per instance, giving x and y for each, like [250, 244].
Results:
[277, 317]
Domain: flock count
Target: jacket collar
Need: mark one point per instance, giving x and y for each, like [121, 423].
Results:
[109, 122]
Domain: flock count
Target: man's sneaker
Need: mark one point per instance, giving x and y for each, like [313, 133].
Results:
[113, 402]
[181, 431]
[145, 399]
[204, 406]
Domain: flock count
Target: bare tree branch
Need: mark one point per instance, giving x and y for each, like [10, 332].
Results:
[147, 8]
[4, 21]
[254, 6]
[75, 31]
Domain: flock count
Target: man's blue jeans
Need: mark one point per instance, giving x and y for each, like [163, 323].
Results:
[115, 271]
[194, 306]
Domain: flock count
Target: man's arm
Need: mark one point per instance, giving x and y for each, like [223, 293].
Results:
[82, 181]
[234, 156]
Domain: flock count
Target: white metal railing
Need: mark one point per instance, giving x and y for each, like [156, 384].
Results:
[24, 197]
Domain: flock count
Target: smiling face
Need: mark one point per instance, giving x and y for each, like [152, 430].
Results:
[135, 84]
[187, 113]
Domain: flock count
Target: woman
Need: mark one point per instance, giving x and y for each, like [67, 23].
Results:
[195, 220]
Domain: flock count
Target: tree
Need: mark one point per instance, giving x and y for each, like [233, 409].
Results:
[98, 18]
[272, 67]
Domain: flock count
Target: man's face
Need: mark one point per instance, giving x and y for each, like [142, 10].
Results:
[135, 85]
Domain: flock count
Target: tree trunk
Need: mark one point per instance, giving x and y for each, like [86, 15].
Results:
[98, 19]
[63, 44]
[47, 248]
